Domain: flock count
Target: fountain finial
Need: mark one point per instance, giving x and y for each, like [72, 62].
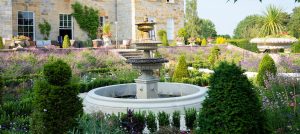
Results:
[146, 19]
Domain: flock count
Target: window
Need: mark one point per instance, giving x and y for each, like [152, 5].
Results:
[101, 21]
[170, 29]
[65, 25]
[152, 32]
[26, 24]
[170, 1]
[65, 21]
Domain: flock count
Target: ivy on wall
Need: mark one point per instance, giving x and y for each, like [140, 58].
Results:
[87, 18]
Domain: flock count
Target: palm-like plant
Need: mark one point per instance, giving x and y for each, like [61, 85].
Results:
[272, 21]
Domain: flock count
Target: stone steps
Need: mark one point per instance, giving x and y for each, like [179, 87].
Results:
[131, 54]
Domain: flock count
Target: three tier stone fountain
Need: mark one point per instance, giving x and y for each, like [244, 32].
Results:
[146, 84]
[147, 94]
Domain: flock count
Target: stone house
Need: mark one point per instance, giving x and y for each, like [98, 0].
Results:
[21, 17]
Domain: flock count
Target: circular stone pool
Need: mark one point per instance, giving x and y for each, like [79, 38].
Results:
[119, 98]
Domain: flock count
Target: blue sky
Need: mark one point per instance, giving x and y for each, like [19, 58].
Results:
[226, 15]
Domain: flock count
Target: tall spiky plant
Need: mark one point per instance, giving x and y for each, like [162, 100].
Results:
[272, 21]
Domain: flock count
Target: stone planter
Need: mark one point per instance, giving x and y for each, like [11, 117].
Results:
[72, 43]
[273, 44]
[107, 41]
[97, 43]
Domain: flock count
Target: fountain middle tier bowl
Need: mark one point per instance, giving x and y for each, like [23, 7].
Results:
[174, 97]
[145, 26]
[147, 63]
[146, 45]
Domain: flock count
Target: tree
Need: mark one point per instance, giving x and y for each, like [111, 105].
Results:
[56, 104]
[293, 25]
[232, 106]
[87, 18]
[267, 68]
[66, 42]
[273, 21]
[249, 27]
[183, 33]
[192, 21]
[207, 29]
[45, 29]
[181, 70]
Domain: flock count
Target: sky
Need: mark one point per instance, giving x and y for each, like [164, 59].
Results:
[226, 15]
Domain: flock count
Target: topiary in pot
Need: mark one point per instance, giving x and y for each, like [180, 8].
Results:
[45, 29]
[204, 42]
[232, 106]
[181, 70]
[57, 73]
[66, 42]
[267, 68]
[56, 104]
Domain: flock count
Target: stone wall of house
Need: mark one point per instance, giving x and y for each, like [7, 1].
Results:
[128, 13]
[50, 10]
[124, 13]
[6, 18]
[161, 11]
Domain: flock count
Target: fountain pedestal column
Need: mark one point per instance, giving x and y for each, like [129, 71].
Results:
[146, 85]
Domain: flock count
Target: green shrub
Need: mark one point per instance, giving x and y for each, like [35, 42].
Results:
[151, 122]
[66, 42]
[245, 44]
[296, 47]
[1, 89]
[162, 34]
[1, 43]
[91, 124]
[15, 112]
[168, 130]
[232, 105]
[267, 68]
[176, 119]
[214, 56]
[56, 104]
[181, 70]
[190, 117]
[57, 72]
[163, 119]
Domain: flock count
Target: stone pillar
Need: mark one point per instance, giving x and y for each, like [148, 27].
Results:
[6, 30]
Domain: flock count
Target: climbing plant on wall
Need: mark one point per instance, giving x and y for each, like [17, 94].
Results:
[87, 18]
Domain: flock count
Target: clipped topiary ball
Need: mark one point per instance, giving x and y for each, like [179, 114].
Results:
[57, 72]
[266, 67]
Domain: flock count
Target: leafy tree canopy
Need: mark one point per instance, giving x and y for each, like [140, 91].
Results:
[248, 27]
[293, 25]
[207, 28]
[192, 21]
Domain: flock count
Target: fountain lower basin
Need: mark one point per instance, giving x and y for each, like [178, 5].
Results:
[109, 99]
